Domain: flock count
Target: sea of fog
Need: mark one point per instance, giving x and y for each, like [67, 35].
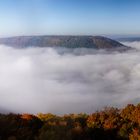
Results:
[60, 81]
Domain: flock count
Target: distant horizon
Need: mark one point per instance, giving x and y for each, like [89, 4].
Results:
[109, 36]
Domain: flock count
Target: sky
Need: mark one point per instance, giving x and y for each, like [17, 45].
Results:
[69, 17]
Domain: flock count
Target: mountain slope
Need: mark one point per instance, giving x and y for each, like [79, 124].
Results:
[96, 42]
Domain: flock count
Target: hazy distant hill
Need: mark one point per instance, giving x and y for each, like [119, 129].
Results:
[129, 39]
[96, 42]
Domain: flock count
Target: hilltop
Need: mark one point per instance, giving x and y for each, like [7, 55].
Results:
[96, 42]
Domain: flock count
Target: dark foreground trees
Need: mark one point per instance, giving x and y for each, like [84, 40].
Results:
[109, 124]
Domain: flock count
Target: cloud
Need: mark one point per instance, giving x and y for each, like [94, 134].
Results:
[134, 44]
[61, 81]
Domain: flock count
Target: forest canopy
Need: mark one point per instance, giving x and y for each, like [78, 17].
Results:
[108, 124]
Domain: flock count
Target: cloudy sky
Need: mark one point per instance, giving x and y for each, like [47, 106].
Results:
[104, 17]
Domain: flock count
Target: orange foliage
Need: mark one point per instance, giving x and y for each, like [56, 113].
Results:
[109, 124]
[27, 117]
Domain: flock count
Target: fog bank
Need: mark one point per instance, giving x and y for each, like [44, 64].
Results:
[45, 80]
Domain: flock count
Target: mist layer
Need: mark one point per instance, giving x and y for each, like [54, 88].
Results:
[45, 80]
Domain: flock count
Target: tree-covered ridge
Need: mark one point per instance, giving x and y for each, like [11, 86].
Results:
[95, 42]
[109, 124]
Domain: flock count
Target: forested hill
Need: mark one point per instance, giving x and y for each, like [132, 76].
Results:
[108, 124]
[96, 42]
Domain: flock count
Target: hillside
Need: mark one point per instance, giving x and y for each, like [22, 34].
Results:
[96, 42]
[108, 124]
